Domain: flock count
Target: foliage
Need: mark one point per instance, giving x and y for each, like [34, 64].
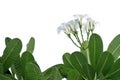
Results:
[103, 65]
[90, 63]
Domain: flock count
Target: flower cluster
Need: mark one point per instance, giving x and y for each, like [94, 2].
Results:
[80, 24]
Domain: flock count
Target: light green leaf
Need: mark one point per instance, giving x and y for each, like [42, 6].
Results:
[32, 72]
[11, 52]
[95, 49]
[105, 62]
[31, 45]
[74, 75]
[114, 47]
[4, 77]
[114, 73]
[66, 60]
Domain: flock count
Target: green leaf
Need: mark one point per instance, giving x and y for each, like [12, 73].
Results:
[11, 52]
[80, 63]
[32, 72]
[63, 70]
[105, 63]
[4, 77]
[1, 68]
[31, 45]
[114, 73]
[7, 72]
[16, 68]
[74, 75]
[101, 77]
[66, 60]
[95, 49]
[53, 73]
[89, 71]
[0, 59]
[25, 58]
[114, 47]
[78, 60]
[7, 40]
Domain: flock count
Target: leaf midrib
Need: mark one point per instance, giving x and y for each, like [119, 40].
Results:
[69, 61]
[104, 63]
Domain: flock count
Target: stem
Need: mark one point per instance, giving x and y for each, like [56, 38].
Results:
[88, 58]
[95, 76]
[81, 34]
[76, 36]
[74, 42]
[88, 33]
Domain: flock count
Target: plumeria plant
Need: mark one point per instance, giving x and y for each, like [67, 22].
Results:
[89, 63]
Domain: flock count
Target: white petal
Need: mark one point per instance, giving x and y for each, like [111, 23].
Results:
[78, 16]
[60, 28]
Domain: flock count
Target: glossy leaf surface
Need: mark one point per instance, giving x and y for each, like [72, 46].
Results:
[80, 63]
[105, 63]
[95, 49]
[66, 60]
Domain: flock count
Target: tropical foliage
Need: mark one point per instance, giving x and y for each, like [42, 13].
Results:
[89, 63]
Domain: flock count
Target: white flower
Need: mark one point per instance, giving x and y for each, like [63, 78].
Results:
[80, 17]
[85, 27]
[64, 27]
[91, 23]
[69, 27]
[74, 25]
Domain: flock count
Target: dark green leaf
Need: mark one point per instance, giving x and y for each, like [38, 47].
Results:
[7, 72]
[7, 40]
[74, 75]
[114, 47]
[95, 49]
[31, 45]
[25, 58]
[1, 68]
[32, 72]
[63, 70]
[114, 73]
[66, 60]
[11, 52]
[52, 73]
[16, 68]
[80, 63]
[101, 76]
[4, 77]
[89, 71]
[0, 59]
[78, 60]
[105, 62]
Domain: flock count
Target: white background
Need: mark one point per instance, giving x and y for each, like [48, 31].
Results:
[40, 19]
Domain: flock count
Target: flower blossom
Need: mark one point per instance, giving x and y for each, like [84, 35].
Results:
[91, 24]
[80, 21]
[69, 27]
